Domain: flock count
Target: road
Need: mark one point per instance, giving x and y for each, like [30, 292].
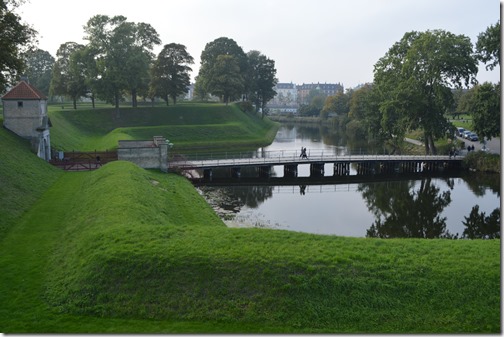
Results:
[493, 145]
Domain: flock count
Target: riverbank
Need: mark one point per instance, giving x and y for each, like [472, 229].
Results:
[126, 250]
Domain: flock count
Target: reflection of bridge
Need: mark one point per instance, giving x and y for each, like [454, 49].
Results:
[363, 164]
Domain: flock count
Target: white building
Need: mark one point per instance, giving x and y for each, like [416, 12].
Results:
[25, 114]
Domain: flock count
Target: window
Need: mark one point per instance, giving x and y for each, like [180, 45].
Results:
[20, 104]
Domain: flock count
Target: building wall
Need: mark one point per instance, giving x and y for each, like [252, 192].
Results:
[146, 154]
[24, 120]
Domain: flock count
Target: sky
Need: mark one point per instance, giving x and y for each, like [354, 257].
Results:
[311, 41]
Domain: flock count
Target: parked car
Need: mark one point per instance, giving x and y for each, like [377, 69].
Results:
[466, 133]
[460, 132]
[472, 137]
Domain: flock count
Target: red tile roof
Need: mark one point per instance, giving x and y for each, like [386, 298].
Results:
[24, 90]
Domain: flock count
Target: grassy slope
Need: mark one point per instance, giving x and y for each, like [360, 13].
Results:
[23, 178]
[123, 250]
[185, 125]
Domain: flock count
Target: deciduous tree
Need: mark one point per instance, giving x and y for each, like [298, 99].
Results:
[415, 79]
[225, 78]
[209, 59]
[15, 39]
[66, 79]
[39, 64]
[485, 110]
[261, 79]
[488, 46]
[170, 72]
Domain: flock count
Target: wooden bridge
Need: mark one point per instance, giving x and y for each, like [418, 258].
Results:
[362, 164]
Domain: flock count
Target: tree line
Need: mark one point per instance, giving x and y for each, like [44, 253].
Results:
[118, 60]
[420, 80]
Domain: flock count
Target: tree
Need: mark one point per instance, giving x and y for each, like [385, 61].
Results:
[209, 58]
[15, 39]
[261, 79]
[338, 103]
[415, 79]
[66, 79]
[485, 109]
[170, 72]
[488, 46]
[225, 79]
[123, 53]
[39, 64]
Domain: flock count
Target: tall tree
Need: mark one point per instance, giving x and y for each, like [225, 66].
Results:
[15, 39]
[209, 58]
[261, 79]
[66, 79]
[415, 79]
[225, 79]
[485, 109]
[39, 64]
[123, 54]
[488, 46]
[170, 72]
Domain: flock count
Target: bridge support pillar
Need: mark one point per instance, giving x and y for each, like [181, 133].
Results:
[316, 169]
[264, 171]
[236, 172]
[291, 171]
[207, 174]
[341, 169]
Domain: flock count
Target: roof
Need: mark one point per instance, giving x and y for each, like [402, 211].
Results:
[24, 90]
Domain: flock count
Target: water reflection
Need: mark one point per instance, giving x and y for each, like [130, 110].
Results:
[403, 212]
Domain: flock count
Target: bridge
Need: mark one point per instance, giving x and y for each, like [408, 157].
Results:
[363, 164]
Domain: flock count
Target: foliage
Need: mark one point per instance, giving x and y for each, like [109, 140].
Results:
[480, 226]
[261, 79]
[123, 53]
[232, 55]
[170, 72]
[39, 64]
[338, 104]
[16, 39]
[225, 78]
[482, 161]
[67, 79]
[486, 112]
[488, 46]
[414, 81]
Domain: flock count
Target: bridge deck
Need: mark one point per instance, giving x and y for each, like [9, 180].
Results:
[296, 160]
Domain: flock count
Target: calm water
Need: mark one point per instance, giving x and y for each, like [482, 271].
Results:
[427, 206]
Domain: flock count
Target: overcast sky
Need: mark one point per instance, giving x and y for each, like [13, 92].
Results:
[326, 41]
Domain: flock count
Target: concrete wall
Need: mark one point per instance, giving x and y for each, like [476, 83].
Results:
[24, 120]
[146, 154]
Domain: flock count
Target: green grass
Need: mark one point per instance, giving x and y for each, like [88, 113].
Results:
[188, 126]
[125, 250]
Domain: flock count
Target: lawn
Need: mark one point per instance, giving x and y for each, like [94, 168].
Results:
[126, 250]
[188, 126]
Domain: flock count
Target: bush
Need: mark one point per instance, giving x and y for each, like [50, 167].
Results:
[482, 161]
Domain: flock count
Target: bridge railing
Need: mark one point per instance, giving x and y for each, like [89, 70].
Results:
[288, 156]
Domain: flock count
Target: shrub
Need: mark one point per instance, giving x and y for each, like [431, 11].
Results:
[482, 161]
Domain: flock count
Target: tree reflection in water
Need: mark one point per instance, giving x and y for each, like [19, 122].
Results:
[403, 212]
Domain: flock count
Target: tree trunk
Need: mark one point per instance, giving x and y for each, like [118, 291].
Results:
[74, 103]
[134, 102]
[93, 100]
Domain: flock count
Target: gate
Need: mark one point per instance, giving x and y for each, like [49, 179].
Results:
[82, 161]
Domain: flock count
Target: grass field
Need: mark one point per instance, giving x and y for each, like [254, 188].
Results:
[188, 126]
[125, 250]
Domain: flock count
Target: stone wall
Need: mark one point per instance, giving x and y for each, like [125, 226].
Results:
[149, 154]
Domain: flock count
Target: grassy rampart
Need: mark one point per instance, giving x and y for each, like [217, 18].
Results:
[188, 126]
[123, 250]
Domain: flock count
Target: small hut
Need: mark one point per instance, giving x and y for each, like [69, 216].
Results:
[25, 114]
